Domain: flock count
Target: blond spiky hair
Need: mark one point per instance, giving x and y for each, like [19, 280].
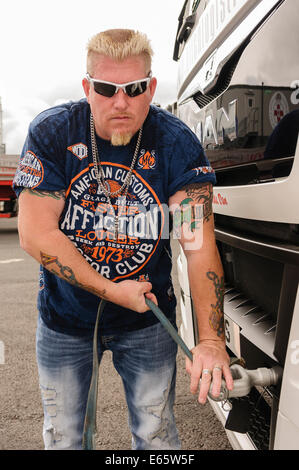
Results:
[119, 44]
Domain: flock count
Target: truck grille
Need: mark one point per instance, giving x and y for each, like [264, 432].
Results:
[259, 418]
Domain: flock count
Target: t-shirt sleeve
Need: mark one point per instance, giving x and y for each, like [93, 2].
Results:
[41, 162]
[189, 163]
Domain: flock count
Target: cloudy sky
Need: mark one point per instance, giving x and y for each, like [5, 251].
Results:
[43, 47]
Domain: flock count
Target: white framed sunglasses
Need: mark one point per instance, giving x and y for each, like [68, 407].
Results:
[109, 89]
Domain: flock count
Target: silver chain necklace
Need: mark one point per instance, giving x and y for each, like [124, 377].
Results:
[99, 172]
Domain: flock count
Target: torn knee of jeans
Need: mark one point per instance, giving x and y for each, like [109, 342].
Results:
[158, 411]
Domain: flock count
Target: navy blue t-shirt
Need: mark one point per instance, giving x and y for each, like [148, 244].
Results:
[57, 156]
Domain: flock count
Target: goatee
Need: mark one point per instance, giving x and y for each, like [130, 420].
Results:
[121, 138]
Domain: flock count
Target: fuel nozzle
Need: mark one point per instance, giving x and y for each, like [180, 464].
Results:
[245, 379]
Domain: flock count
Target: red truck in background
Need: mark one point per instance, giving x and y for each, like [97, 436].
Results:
[8, 199]
[8, 166]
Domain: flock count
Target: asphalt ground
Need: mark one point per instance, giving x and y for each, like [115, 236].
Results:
[21, 413]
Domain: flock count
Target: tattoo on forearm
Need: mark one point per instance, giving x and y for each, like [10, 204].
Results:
[65, 272]
[44, 193]
[216, 318]
[201, 194]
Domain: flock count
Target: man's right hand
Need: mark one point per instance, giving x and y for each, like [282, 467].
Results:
[131, 295]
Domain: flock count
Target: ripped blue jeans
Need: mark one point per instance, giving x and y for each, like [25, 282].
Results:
[146, 362]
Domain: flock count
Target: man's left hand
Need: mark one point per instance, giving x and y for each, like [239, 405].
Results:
[210, 364]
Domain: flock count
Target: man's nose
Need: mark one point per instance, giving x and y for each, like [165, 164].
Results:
[120, 99]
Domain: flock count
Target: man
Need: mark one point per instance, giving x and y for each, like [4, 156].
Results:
[94, 181]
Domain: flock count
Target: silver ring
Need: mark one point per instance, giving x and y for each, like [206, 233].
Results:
[206, 371]
[217, 368]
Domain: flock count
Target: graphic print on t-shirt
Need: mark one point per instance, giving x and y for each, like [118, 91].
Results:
[147, 160]
[30, 172]
[80, 150]
[88, 220]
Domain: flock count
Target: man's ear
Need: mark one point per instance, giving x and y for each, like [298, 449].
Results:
[86, 88]
[153, 86]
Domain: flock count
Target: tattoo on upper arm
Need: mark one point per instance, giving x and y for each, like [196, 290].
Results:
[192, 215]
[45, 193]
[195, 209]
[201, 194]
[65, 272]
[216, 319]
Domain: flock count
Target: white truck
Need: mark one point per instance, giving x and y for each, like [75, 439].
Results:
[238, 90]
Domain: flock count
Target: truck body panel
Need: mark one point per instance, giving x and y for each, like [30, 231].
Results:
[238, 90]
